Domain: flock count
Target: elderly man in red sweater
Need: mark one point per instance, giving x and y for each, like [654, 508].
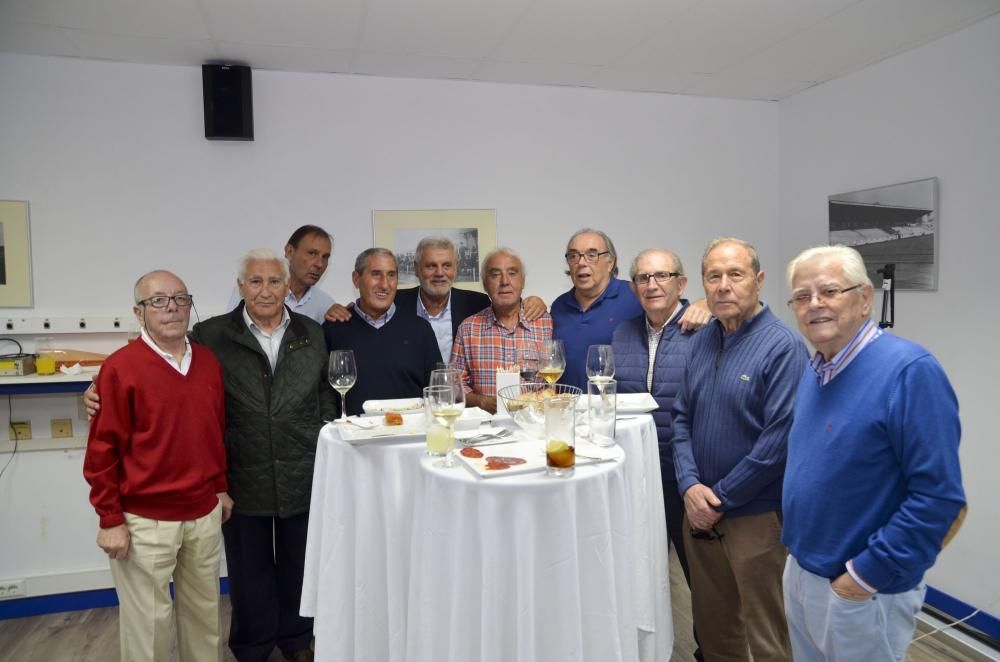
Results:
[156, 465]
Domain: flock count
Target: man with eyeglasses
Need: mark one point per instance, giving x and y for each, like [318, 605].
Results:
[873, 481]
[588, 314]
[156, 465]
[730, 431]
[651, 353]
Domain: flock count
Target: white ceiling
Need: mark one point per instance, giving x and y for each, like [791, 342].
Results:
[746, 49]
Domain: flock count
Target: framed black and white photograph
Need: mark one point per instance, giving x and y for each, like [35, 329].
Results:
[895, 224]
[15, 255]
[473, 231]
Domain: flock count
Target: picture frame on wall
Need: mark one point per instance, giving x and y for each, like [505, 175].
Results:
[896, 224]
[15, 255]
[473, 231]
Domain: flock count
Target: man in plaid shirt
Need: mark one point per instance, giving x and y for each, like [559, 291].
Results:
[489, 340]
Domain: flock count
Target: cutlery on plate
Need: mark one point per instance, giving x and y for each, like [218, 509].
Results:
[479, 439]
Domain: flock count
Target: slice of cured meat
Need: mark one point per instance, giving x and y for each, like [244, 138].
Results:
[510, 461]
[471, 452]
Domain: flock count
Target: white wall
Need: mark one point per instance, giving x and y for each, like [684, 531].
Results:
[932, 112]
[121, 180]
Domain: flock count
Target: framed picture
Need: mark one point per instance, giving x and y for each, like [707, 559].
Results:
[473, 231]
[15, 255]
[895, 224]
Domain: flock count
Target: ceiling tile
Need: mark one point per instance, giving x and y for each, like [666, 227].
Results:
[413, 66]
[147, 50]
[285, 58]
[538, 73]
[641, 80]
[176, 19]
[455, 28]
[718, 33]
[328, 24]
[18, 37]
[743, 87]
[862, 34]
[586, 31]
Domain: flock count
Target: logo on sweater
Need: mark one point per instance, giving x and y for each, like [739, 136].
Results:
[744, 377]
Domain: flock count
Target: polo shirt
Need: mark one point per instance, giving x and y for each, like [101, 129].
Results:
[579, 329]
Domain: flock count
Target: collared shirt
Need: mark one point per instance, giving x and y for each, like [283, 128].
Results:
[376, 323]
[313, 304]
[483, 344]
[269, 342]
[579, 329]
[827, 370]
[181, 367]
[441, 323]
[653, 336]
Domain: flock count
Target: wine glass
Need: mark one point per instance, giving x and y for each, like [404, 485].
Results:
[445, 377]
[529, 359]
[600, 364]
[342, 373]
[553, 363]
[446, 404]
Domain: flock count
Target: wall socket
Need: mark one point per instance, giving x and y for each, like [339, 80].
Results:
[20, 428]
[11, 588]
[62, 427]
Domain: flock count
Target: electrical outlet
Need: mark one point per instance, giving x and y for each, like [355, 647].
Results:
[11, 588]
[62, 427]
[22, 430]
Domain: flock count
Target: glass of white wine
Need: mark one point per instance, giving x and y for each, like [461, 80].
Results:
[553, 363]
[600, 364]
[342, 373]
[445, 404]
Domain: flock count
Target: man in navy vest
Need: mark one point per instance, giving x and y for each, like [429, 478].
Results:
[651, 352]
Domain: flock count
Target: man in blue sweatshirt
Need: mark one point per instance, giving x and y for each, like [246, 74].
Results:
[731, 422]
[873, 480]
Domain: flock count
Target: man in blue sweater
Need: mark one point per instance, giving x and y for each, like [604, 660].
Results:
[731, 422]
[873, 480]
[651, 353]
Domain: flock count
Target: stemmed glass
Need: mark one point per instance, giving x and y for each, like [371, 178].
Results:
[342, 373]
[553, 363]
[445, 377]
[529, 359]
[446, 404]
[600, 364]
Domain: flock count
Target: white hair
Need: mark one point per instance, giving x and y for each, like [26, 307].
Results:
[849, 259]
[262, 254]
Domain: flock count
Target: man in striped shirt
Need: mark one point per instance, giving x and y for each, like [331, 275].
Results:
[491, 339]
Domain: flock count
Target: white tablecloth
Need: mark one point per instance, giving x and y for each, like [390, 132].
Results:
[597, 541]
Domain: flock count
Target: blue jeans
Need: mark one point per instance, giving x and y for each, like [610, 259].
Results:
[826, 627]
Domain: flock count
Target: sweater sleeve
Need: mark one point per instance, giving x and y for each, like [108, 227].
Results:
[110, 432]
[684, 464]
[924, 432]
[765, 463]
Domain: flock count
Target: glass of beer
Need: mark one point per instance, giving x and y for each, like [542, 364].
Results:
[560, 439]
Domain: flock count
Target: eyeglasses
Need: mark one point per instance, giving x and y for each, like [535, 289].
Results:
[182, 301]
[710, 534]
[801, 300]
[572, 257]
[660, 277]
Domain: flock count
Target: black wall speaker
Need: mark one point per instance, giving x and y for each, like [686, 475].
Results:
[228, 97]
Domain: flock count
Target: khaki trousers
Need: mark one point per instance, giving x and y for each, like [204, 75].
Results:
[736, 595]
[189, 552]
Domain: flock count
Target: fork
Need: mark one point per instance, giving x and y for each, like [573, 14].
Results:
[478, 439]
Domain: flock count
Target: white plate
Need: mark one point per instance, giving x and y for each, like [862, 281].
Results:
[414, 425]
[533, 453]
[627, 403]
[379, 407]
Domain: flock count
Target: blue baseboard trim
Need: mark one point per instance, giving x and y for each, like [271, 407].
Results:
[51, 604]
[986, 623]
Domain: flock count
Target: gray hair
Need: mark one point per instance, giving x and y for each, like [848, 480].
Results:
[607, 242]
[634, 269]
[263, 255]
[849, 259]
[502, 250]
[137, 288]
[432, 243]
[715, 243]
[362, 260]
